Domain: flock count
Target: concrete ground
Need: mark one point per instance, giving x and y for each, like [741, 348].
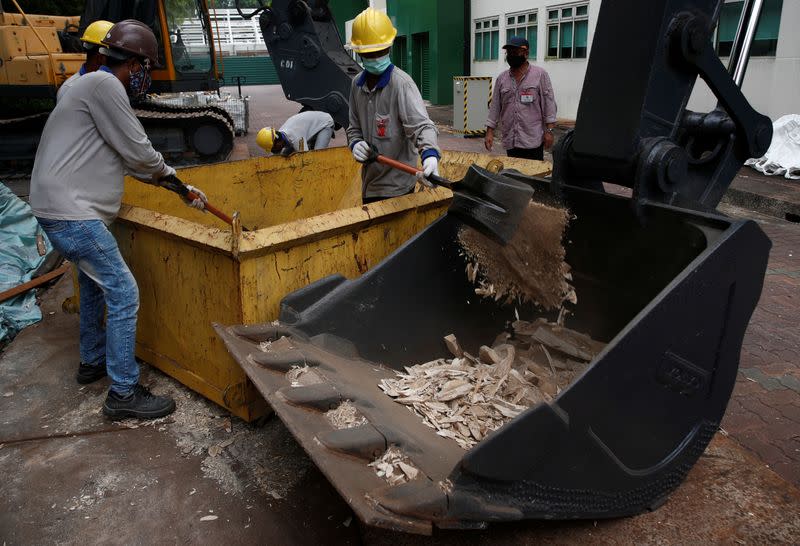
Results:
[202, 476]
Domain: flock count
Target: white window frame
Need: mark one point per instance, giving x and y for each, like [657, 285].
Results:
[574, 18]
[533, 50]
[486, 31]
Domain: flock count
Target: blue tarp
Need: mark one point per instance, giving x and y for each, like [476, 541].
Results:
[19, 259]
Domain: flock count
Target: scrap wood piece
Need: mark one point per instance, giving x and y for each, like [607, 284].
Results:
[33, 283]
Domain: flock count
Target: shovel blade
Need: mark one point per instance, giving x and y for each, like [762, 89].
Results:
[491, 203]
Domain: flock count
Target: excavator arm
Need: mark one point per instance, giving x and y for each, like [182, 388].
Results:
[313, 67]
[634, 128]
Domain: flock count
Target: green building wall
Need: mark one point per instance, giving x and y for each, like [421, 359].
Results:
[344, 10]
[443, 20]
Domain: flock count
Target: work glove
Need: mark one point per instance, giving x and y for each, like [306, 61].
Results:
[199, 203]
[166, 173]
[361, 151]
[430, 165]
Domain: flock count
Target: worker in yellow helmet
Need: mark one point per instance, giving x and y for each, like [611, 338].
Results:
[92, 41]
[307, 130]
[387, 111]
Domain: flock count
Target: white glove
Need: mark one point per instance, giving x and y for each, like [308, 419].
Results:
[200, 203]
[156, 178]
[430, 165]
[361, 151]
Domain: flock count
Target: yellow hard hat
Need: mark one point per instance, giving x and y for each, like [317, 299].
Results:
[372, 31]
[266, 138]
[95, 32]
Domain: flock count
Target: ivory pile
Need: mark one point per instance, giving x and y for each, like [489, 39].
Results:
[467, 397]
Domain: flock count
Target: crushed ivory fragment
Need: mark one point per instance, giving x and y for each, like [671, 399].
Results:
[466, 398]
[302, 376]
[345, 415]
[394, 467]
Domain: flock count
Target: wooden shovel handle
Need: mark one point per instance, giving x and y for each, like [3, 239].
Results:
[174, 184]
[412, 170]
[191, 196]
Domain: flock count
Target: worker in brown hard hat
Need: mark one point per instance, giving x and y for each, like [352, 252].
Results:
[91, 138]
[92, 41]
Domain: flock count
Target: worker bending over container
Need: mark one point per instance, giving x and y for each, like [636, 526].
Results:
[304, 131]
[91, 138]
[387, 111]
[92, 41]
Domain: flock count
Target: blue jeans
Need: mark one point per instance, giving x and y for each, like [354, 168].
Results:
[321, 140]
[105, 283]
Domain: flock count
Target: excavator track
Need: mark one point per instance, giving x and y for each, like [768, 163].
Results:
[185, 135]
[20, 136]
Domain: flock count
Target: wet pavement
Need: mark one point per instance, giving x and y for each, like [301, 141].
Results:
[764, 412]
[201, 476]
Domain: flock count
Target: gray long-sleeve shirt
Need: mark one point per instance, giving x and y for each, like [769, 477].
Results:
[392, 116]
[90, 140]
[304, 126]
[68, 83]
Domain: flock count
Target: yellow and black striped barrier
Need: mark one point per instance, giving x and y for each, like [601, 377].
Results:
[471, 132]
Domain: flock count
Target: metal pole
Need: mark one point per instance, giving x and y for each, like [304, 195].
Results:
[745, 33]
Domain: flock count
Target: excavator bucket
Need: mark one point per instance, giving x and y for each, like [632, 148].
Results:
[662, 279]
[671, 296]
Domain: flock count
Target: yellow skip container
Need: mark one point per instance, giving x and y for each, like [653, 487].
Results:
[306, 221]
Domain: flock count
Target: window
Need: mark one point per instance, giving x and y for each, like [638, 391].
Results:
[525, 25]
[765, 42]
[487, 39]
[568, 31]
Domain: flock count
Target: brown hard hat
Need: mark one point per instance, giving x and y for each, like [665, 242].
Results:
[132, 38]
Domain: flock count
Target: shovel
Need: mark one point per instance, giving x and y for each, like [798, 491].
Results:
[491, 203]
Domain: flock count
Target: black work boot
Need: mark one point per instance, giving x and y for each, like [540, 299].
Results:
[140, 404]
[89, 373]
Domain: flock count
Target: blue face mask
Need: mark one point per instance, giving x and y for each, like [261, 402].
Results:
[376, 66]
[140, 81]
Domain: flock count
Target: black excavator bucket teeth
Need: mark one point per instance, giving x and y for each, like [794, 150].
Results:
[669, 290]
